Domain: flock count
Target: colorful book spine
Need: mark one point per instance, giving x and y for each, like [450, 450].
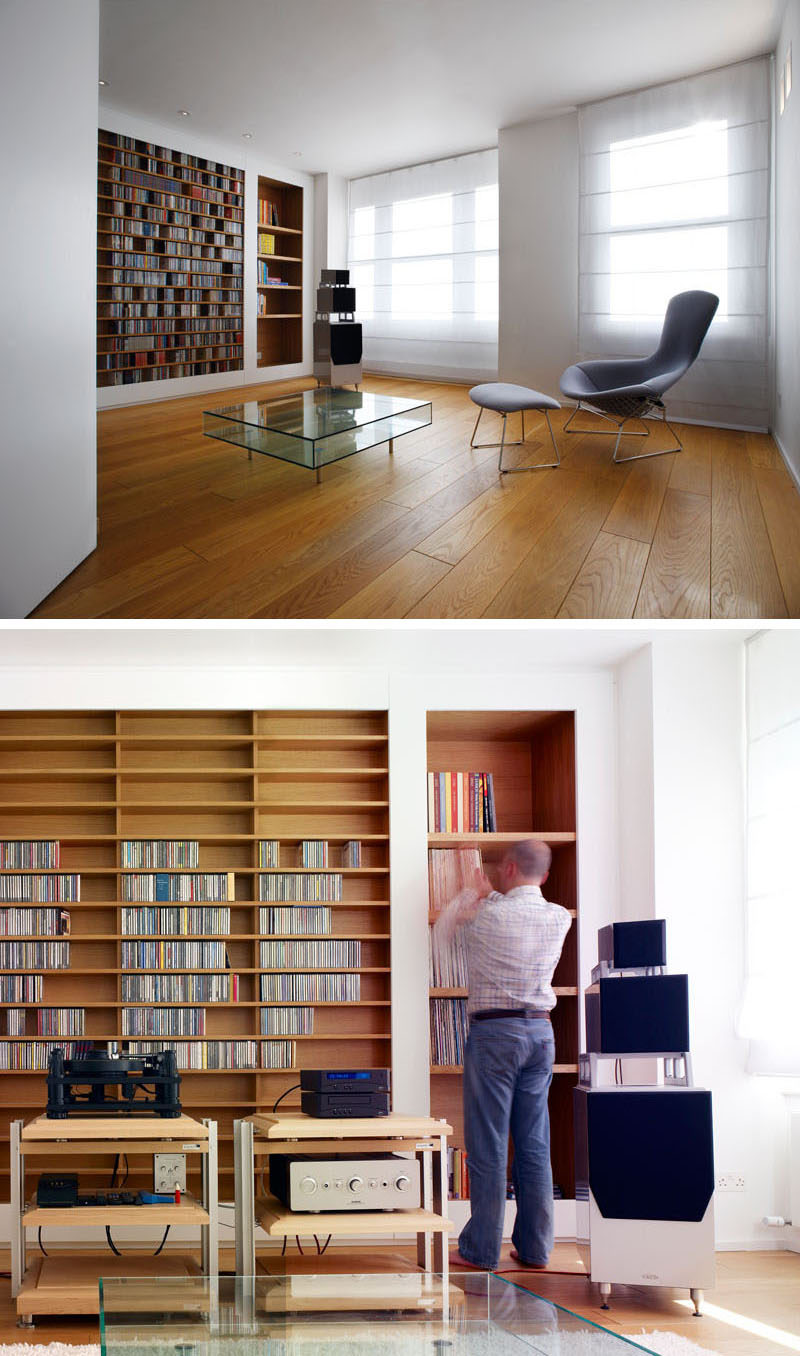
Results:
[461, 802]
[266, 243]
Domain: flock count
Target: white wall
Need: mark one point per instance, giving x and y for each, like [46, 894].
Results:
[538, 169]
[787, 255]
[48, 166]
[635, 788]
[330, 222]
[699, 747]
[254, 160]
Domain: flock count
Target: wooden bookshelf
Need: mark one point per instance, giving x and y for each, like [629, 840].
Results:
[226, 779]
[169, 263]
[531, 756]
[279, 273]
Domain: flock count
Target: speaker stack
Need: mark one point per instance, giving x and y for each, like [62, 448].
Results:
[644, 1161]
[337, 334]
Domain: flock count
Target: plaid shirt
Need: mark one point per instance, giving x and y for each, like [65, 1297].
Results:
[512, 944]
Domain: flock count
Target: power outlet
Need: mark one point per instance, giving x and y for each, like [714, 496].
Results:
[169, 1172]
[730, 1181]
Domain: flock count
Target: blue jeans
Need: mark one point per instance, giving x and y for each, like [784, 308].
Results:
[508, 1068]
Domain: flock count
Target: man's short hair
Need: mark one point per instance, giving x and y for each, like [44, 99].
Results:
[532, 858]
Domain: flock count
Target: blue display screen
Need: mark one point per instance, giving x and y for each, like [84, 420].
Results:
[331, 1076]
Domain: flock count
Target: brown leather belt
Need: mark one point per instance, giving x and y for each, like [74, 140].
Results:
[489, 1014]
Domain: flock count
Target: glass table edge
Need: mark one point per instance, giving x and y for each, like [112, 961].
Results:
[409, 408]
[562, 1308]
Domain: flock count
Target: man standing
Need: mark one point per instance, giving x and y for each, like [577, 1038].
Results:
[513, 939]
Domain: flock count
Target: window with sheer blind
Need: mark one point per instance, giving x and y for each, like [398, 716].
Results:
[674, 195]
[422, 252]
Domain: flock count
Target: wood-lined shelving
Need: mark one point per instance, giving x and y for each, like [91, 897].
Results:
[169, 263]
[280, 316]
[531, 756]
[228, 780]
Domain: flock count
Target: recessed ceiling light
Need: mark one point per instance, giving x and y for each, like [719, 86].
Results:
[248, 136]
[102, 82]
[297, 152]
[184, 113]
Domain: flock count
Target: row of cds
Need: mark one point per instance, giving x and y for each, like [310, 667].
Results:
[60, 1022]
[289, 885]
[34, 922]
[313, 852]
[180, 988]
[278, 1054]
[163, 1021]
[204, 1054]
[448, 1030]
[163, 853]
[34, 955]
[21, 989]
[16, 1022]
[29, 854]
[310, 988]
[190, 922]
[295, 918]
[40, 889]
[287, 1021]
[174, 955]
[269, 852]
[336, 952]
[25, 1055]
[216, 885]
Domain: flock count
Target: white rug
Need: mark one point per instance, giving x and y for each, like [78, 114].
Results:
[553, 1344]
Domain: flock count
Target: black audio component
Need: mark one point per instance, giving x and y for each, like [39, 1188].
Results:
[131, 1085]
[638, 1015]
[342, 300]
[57, 1189]
[341, 1105]
[345, 1080]
[346, 343]
[633, 946]
[335, 277]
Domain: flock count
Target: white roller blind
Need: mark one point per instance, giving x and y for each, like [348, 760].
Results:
[769, 1011]
[674, 194]
[422, 252]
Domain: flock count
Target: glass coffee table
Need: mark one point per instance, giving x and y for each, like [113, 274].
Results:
[403, 1314]
[315, 428]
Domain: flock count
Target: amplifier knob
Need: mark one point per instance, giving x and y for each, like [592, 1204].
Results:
[402, 1183]
[356, 1183]
[308, 1185]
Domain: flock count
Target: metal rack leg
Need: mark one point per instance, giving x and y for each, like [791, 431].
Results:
[17, 1205]
[243, 1166]
[210, 1233]
[424, 1239]
[696, 1297]
[605, 1294]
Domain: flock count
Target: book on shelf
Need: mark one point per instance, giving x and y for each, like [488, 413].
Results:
[168, 988]
[289, 885]
[239, 1054]
[266, 242]
[295, 918]
[29, 854]
[269, 852]
[461, 802]
[450, 870]
[176, 922]
[334, 953]
[163, 853]
[23, 922]
[448, 1031]
[167, 955]
[278, 1054]
[161, 885]
[33, 889]
[341, 987]
[295, 1021]
[457, 1174]
[34, 955]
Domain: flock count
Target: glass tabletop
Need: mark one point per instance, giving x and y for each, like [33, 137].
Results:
[314, 428]
[380, 1314]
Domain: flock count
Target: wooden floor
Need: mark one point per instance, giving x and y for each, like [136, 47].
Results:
[763, 1286]
[189, 527]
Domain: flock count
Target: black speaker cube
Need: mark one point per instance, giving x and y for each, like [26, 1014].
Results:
[633, 946]
[645, 1154]
[345, 343]
[638, 1015]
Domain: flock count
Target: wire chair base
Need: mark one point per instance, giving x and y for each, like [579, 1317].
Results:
[621, 430]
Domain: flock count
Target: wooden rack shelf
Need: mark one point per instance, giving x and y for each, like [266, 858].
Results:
[279, 330]
[531, 756]
[93, 780]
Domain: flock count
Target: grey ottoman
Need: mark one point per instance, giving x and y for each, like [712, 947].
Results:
[505, 398]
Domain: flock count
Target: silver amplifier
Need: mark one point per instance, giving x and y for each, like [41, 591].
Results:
[373, 1182]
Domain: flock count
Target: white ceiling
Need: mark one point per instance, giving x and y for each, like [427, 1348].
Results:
[363, 85]
[490, 648]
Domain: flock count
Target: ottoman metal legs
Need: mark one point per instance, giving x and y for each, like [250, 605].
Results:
[509, 470]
